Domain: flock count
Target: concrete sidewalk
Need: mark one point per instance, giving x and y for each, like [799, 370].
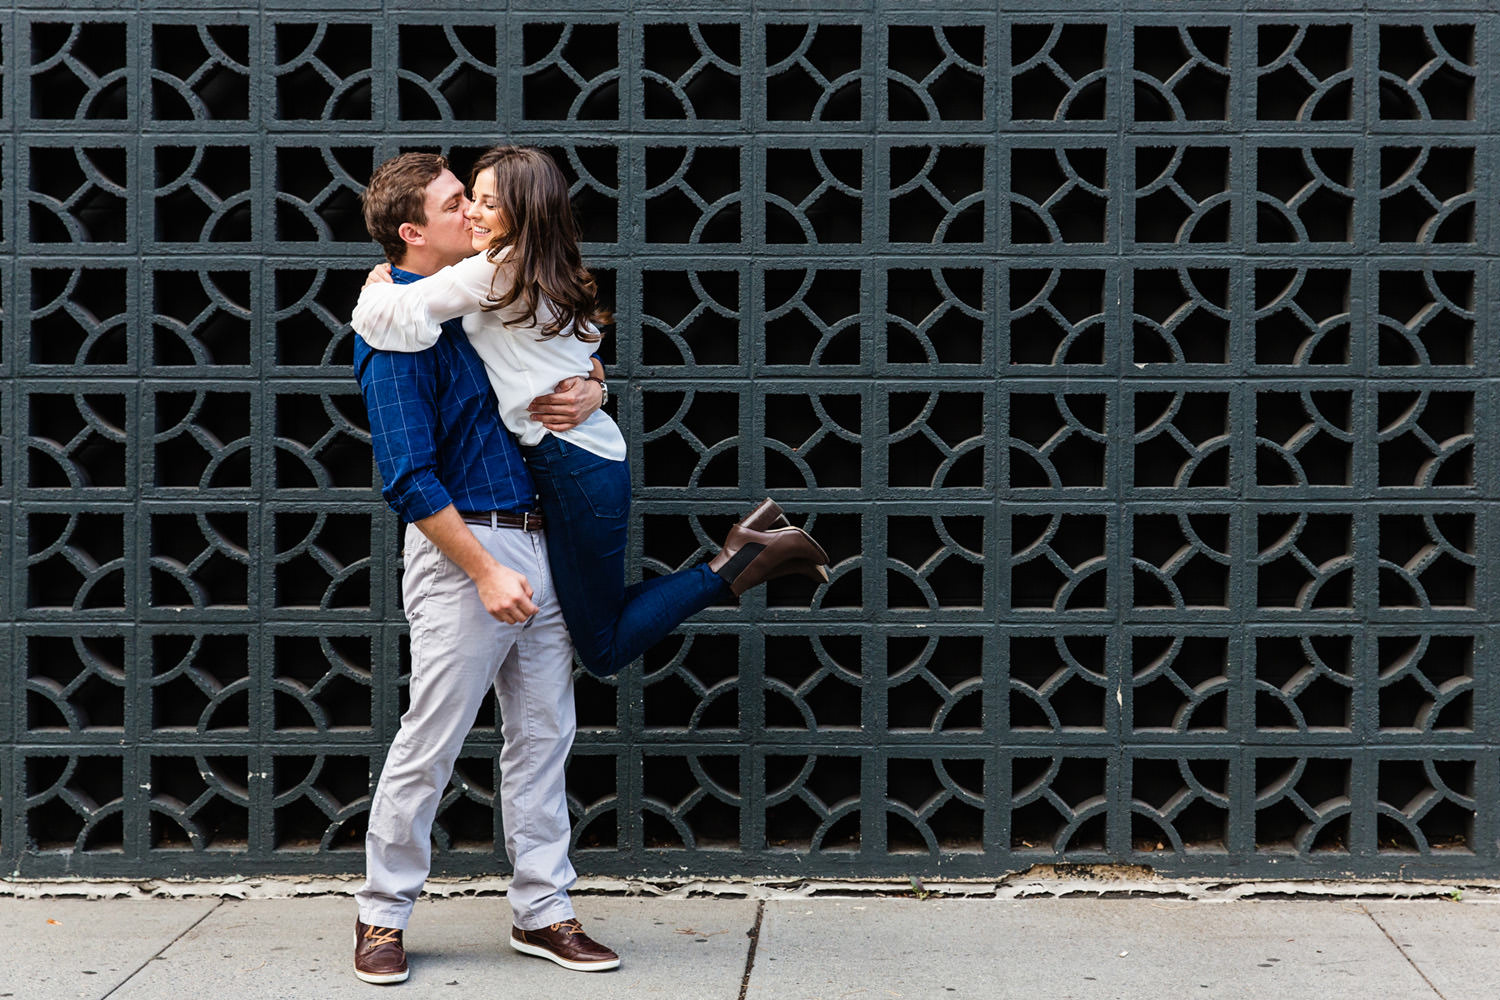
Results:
[869, 948]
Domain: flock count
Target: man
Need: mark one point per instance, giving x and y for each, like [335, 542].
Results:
[478, 594]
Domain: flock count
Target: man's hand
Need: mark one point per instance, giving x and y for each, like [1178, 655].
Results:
[574, 401]
[506, 594]
[381, 274]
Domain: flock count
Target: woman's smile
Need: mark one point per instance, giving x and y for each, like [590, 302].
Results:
[484, 212]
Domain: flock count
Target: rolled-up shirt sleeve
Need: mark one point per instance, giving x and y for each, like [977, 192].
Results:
[391, 317]
[400, 392]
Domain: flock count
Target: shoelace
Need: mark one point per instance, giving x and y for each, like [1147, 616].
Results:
[571, 926]
[378, 936]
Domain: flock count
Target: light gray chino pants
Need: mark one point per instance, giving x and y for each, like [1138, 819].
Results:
[458, 651]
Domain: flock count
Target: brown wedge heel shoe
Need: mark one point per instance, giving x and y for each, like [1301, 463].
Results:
[768, 516]
[750, 557]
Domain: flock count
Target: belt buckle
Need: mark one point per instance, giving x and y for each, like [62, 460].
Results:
[525, 520]
[494, 520]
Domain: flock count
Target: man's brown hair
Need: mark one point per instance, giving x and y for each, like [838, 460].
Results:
[396, 194]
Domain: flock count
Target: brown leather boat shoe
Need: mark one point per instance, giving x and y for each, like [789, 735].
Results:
[379, 955]
[566, 944]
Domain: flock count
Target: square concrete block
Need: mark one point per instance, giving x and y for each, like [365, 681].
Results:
[65, 949]
[1455, 945]
[1075, 949]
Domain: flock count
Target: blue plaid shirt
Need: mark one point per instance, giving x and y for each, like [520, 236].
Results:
[435, 427]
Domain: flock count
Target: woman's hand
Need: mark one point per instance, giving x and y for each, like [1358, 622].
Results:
[380, 274]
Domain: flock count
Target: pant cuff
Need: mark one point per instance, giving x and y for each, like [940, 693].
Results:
[384, 918]
[554, 914]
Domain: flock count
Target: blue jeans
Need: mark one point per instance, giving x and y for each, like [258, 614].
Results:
[586, 500]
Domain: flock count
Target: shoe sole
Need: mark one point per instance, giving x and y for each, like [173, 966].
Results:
[540, 952]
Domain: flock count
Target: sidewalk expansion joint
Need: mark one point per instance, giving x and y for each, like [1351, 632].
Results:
[162, 951]
[754, 935]
[1394, 943]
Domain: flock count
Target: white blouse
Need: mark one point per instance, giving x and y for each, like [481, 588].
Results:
[521, 365]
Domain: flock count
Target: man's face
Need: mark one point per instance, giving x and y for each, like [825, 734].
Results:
[447, 228]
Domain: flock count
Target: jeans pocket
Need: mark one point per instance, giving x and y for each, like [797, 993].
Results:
[606, 488]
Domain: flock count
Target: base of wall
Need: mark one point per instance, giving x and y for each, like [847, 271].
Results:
[1039, 882]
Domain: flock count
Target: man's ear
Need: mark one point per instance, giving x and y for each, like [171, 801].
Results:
[412, 235]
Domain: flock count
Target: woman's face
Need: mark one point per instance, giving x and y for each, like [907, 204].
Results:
[484, 213]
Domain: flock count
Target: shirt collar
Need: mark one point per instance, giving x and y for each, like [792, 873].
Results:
[401, 277]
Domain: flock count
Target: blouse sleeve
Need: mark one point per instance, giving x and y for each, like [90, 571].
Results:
[408, 317]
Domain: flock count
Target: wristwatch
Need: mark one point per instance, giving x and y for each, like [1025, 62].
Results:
[603, 388]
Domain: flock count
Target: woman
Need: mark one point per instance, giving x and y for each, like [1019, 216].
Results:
[530, 309]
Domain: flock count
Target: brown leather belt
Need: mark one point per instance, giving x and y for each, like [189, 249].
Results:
[524, 519]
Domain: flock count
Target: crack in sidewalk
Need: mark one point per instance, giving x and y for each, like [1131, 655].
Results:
[1376, 920]
[115, 989]
[754, 935]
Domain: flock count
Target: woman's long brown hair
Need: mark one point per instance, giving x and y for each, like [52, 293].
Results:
[539, 227]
